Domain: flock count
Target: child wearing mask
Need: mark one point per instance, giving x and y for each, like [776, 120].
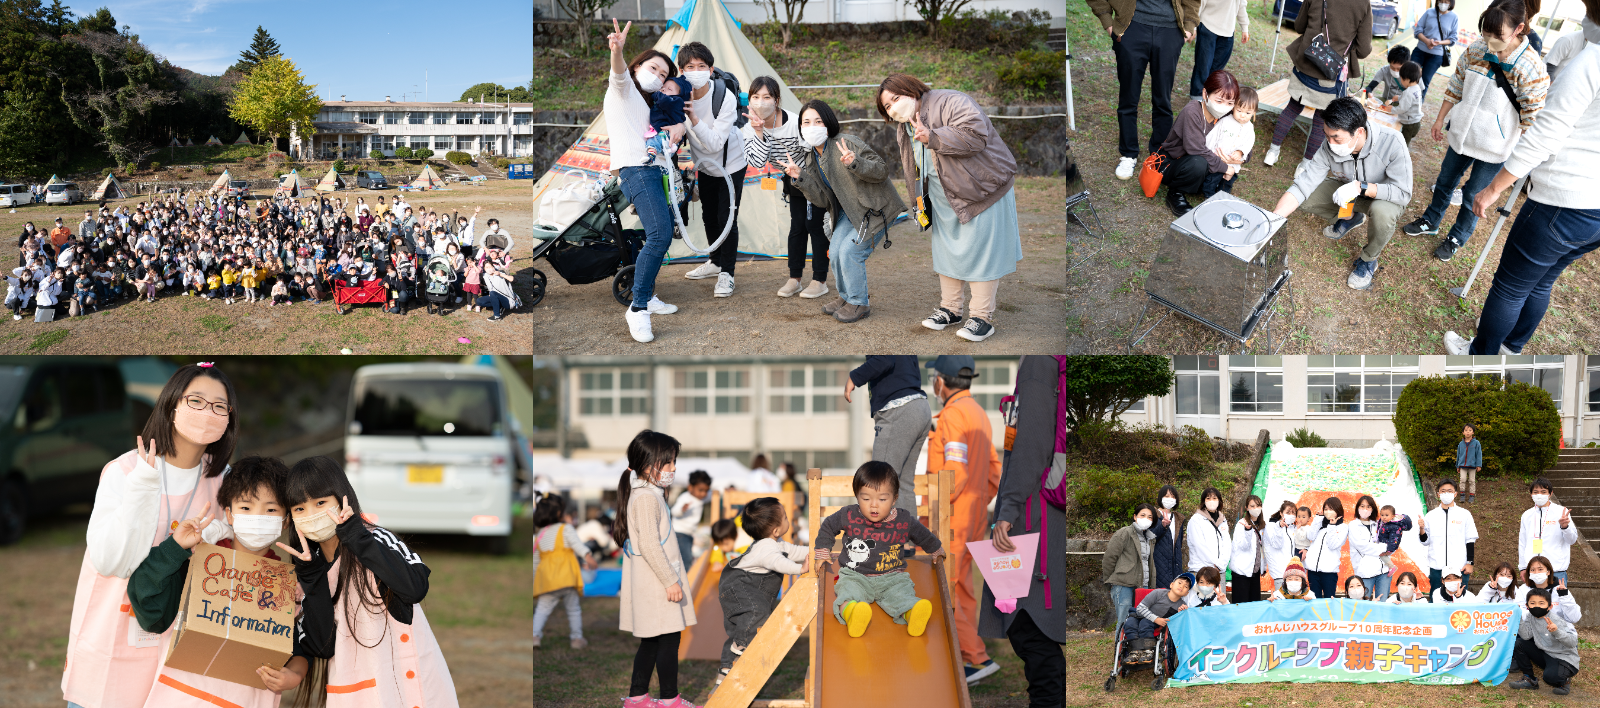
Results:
[1295, 584]
[654, 605]
[1454, 590]
[1547, 641]
[1207, 589]
[1502, 585]
[1405, 589]
[1540, 576]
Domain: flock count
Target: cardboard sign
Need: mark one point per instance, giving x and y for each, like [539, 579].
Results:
[1008, 575]
[237, 614]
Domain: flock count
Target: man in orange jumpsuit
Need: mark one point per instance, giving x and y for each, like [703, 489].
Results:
[960, 444]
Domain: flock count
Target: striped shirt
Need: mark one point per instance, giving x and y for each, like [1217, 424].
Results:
[774, 142]
[1527, 76]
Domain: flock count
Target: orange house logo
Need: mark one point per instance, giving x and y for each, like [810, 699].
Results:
[1461, 620]
[1004, 563]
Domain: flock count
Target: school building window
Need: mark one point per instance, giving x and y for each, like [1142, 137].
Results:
[711, 391]
[1356, 384]
[1594, 383]
[521, 118]
[806, 459]
[1255, 384]
[1541, 371]
[1196, 393]
[442, 142]
[605, 392]
[416, 118]
[791, 388]
[441, 118]
[391, 118]
[369, 117]
[465, 118]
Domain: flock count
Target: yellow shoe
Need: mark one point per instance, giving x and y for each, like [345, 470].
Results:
[857, 616]
[917, 618]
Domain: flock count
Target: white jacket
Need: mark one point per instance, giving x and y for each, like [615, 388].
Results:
[49, 292]
[1208, 543]
[1562, 147]
[1448, 531]
[1543, 524]
[1244, 549]
[1467, 598]
[1364, 549]
[1324, 554]
[1279, 542]
[1566, 606]
[1490, 594]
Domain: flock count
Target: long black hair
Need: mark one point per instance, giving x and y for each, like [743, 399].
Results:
[1176, 496]
[1258, 523]
[1371, 503]
[647, 454]
[1337, 507]
[158, 427]
[1207, 494]
[550, 510]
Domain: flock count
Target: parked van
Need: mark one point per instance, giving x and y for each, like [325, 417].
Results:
[63, 193]
[61, 420]
[15, 195]
[430, 449]
[371, 179]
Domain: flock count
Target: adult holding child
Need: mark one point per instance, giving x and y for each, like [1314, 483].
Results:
[1192, 167]
[1346, 27]
[629, 95]
[1366, 550]
[771, 134]
[963, 177]
[718, 150]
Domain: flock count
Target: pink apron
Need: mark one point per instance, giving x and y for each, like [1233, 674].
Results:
[402, 669]
[111, 661]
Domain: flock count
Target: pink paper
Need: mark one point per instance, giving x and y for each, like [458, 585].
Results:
[1008, 575]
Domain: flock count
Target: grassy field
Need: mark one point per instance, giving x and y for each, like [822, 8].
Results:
[1407, 309]
[477, 605]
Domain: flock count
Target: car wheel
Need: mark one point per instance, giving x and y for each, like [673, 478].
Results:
[13, 511]
[497, 545]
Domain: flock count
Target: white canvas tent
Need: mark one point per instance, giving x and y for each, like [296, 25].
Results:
[213, 141]
[188, 142]
[331, 181]
[244, 139]
[175, 142]
[55, 180]
[428, 179]
[293, 185]
[110, 188]
[763, 216]
[222, 182]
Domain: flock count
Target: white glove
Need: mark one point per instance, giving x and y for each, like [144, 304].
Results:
[1347, 193]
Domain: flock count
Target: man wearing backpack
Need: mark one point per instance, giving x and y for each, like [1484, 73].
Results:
[714, 114]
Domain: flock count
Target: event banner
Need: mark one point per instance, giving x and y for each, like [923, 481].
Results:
[1344, 640]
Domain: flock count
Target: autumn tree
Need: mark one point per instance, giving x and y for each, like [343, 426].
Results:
[274, 98]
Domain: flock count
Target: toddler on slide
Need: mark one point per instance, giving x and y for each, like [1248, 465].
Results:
[872, 569]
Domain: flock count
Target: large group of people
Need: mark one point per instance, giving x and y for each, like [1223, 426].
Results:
[1505, 116]
[278, 251]
[958, 171]
[1298, 552]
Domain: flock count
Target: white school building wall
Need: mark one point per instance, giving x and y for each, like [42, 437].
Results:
[1349, 400]
[356, 128]
[816, 11]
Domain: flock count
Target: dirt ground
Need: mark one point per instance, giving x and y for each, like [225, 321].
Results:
[1407, 309]
[180, 324]
[477, 606]
[904, 289]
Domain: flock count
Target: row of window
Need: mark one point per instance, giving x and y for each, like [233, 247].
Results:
[442, 118]
[435, 142]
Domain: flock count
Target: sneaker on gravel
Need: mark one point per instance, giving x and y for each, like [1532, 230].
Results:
[724, 285]
[705, 270]
[833, 307]
[1456, 344]
[1125, 167]
[1361, 274]
[1419, 227]
[852, 313]
[976, 330]
[1526, 683]
[789, 288]
[1272, 156]
[940, 319]
[639, 325]
[654, 307]
[814, 290]
[1338, 229]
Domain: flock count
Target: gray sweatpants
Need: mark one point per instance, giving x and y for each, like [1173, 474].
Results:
[547, 605]
[897, 438]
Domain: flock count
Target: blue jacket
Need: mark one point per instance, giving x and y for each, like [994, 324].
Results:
[890, 377]
[1469, 454]
[1168, 556]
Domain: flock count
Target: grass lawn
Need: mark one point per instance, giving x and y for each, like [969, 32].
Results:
[1407, 309]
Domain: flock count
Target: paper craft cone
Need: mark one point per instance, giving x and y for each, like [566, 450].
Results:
[1008, 575]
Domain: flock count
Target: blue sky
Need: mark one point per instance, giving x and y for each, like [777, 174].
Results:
[365, 50]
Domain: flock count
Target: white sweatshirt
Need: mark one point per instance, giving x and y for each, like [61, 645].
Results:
[1466, 598]
[1323, 554]
[1365, 549]
[128, 510]
[1244, 549]
[686, 513]
[1562, 147]
[627, 119]
[1566, 606]
[1449, 530]
[1541, 526]
[708, 137]
[770, 554]
[1279, 544]
[1209, 544]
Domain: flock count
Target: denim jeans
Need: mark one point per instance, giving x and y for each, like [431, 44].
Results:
[1451, 169]
[1122, 598]
[496, 302]
[1211, 53]
[1376, 587]
[1561, 575]
[849, 253]
[1543, 242]
[1430, 65]
[643, 187]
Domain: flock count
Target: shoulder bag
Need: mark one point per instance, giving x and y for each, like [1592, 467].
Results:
[1321, 55]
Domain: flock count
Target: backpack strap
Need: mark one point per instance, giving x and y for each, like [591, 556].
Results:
[719, 90]
[1504, 83]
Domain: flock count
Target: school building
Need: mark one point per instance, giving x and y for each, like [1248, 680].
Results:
[1350, 400]
[353, 129]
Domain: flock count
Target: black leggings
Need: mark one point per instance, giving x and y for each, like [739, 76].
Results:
[802, 229]
[662, 652]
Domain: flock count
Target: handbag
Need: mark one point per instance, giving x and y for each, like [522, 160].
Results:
[1151, 173]
[563, 206]
[1321, 55]
[1440, 29]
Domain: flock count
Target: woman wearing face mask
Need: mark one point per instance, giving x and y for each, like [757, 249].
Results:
[1249, 559]
[1365, 548]
[1436, 31]
[1354, 589]
[180, 462]
[1405, 589]
[1484, 121]
[773, 132]
[963, 176]
[1295, 586]
[1278, 540]
[627, 108]
[1502, 585]
[1347, 27]
[718, 149]
[1171, 537]
[848, 179]
[1207, 591]
[1127, 563]
[1327, 544]
[1540, 576]
[1207, 532]
[1191, 168]
[1454, 590]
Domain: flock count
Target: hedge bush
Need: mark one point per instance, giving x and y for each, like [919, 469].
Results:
[1303, 437]
[1031, 74]
[376, 154]
[1114, 493]
[422, 153]
[403, 152]
[995, 30]
[1167, 454]
[1517, 423]
[338, 165]
[457, 157]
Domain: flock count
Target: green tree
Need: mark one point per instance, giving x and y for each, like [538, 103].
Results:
[117, 99]
[23, 141]
[488, 91]
[275, 98]
[935, 10]
[422, 154]
[262, 46]
[376, 154]
[584, 11]
[403, 152]
[1100, 388]
[1517, 424]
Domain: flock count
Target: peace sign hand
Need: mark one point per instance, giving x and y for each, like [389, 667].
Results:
[789, 168]
[756, 123]
[187, 534]
[1566, 517]
[846, 157]
[148, 456]
[304, 555]
[618, 37]
[922, 130]
[345, 512]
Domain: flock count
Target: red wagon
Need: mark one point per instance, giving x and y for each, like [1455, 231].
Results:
[368, 292]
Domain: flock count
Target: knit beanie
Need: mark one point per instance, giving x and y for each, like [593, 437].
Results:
[1295, 568]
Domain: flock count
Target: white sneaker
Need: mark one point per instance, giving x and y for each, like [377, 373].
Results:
[724, 285]
[1272, 156]
[814, 290]
[1125, 167]
[706, 270]
[16, 317]
[1455, 344]
[639, 325]
[789, 288]
[1455, 198]
[657, 307]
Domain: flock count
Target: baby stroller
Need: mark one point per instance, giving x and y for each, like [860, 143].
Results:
[439, 278]
[592, 248]
[1135, 654]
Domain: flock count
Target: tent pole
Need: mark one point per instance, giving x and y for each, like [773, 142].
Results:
[1277, 30]
[1072, 121]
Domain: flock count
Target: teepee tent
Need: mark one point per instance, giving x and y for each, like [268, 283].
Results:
[109, 189]
[55, 180]
[428, 179]
[222, 182]
[188, 142]
[331, 181]
[293, 185]
[213, 141]
[244, 139]
[763, 216]
[175, 142]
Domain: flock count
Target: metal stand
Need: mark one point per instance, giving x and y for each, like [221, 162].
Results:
[1262, 328]
[1076, 206]
[1504, 212]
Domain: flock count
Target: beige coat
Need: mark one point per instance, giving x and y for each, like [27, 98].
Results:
[974, 164]
[650, 564]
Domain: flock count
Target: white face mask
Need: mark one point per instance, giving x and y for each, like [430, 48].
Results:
[1141, 523]
[1218, 110]
[1206, 590]
[814, 135]
[1447, 497]
[763, 107]
[1168, 503]
[697, 79]
[256, 531]
[1503, 581]
[664, 479]
[1452, 585]
[1211, 504]
[903, 109]
[1355, 592]
[648, 80]
[1364, 512]
[1254, 512]
[1292, 586]
[1407, 591]
[1343, 150]
[1538, 578]
[1541, 499]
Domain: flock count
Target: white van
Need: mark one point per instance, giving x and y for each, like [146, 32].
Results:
[429, 449]
[15, 195]
[63, 193]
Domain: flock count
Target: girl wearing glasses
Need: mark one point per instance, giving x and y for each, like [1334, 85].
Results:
[173, 475]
